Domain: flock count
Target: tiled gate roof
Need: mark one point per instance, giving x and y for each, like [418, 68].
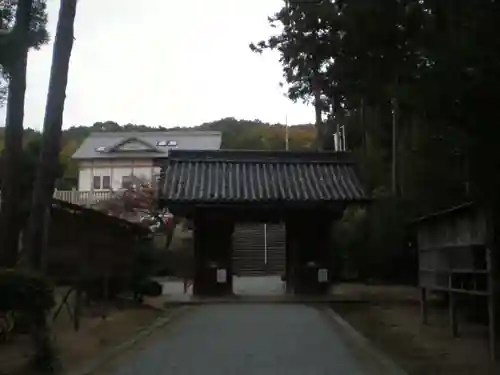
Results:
[259, 176]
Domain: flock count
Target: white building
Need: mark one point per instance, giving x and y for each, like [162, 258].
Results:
[106, 160]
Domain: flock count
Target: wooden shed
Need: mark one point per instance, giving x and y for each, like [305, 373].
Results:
[457, 256]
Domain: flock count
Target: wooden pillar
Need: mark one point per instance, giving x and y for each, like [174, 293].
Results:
[223, 238]
[452, 307]
[212, 253]
[493, 268]
[493, 308]
[326, 253]
[198, 254]
[423, 306]
[452, 310]
[308, 253]
[201, 249]
[289, 260]
[293, 256]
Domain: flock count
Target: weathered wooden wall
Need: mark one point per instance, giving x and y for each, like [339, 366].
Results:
[87, 244]
[456, 256]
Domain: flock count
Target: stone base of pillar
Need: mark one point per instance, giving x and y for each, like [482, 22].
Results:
[309, 282]
[208, 282]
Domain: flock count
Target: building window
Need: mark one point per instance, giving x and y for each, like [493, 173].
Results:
[126, 182]
[170, 143]
[97, 182]
[106, 182]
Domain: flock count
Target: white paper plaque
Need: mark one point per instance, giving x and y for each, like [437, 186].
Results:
[221, 275]
[322, 275]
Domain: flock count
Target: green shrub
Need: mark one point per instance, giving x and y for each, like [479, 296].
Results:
[31, 296]
[350, 244]
[25, 292]
[372, 243]
[146, 287]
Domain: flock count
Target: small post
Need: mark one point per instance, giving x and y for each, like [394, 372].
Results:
[423, 306]
[78, 306]
[286, 133]
[492, 323]
[106, 282]
[452, 308]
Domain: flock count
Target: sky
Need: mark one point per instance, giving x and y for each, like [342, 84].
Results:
[165, 62]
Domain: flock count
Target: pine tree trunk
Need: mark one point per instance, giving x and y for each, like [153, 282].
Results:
[11, 204]
[363, 128]
[394, 168]
[36, 241]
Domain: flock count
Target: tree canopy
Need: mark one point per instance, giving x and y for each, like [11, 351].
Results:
[38, 36]
[437, 59]
[415, 83]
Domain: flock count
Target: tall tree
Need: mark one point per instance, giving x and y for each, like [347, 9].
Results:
[22, 25]
[303, 54]
[438, 62]
[16, 68]
[35, 240]
[369, 53]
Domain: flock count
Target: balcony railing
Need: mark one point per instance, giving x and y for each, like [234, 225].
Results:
[83, 198]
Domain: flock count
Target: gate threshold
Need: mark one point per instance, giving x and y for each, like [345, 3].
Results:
[242, 299]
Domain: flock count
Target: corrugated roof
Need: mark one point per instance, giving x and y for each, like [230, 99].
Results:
[185, 139]
[259, 176]
[450, 211]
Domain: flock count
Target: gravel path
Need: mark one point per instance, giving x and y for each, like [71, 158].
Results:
[246, 339]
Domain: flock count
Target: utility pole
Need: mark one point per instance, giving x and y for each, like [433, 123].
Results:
[363, 127]
[344, 145]
[339, 138]
[286, 132]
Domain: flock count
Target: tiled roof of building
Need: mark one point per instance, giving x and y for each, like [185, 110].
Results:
[259, 176]
[105, 145]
